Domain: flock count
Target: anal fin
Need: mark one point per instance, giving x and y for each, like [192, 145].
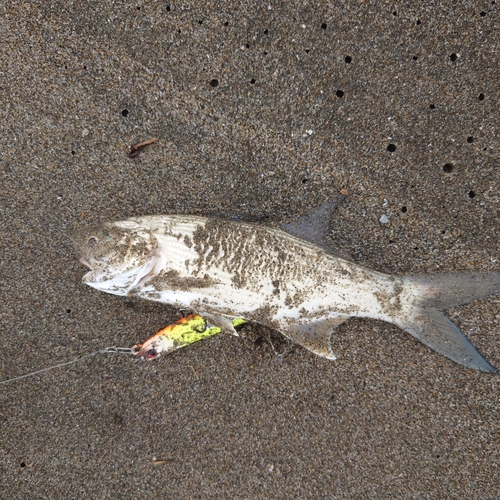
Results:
[316, 336]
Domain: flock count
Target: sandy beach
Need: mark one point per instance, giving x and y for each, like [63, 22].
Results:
[263, 110]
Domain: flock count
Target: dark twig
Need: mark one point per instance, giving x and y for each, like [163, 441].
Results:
[136, 148]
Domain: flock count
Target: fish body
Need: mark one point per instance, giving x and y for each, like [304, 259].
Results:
[222, 270]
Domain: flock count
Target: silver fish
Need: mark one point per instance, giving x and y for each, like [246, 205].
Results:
[285, 279]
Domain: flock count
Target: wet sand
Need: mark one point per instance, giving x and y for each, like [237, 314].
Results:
[265, 110]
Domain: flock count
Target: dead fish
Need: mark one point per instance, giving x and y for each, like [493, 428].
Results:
[285, 279]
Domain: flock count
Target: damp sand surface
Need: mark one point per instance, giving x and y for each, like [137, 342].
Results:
[262, 110]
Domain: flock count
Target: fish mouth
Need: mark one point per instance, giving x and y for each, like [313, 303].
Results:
[95, 265]
[118, 281]
[84, 243]
[85, 261]
[97, 268]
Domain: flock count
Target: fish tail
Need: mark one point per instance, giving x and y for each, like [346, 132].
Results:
[425, 320]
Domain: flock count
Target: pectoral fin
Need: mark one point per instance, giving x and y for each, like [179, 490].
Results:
[316, 336]
[223, 322]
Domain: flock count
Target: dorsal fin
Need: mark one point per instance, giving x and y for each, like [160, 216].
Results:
[314, 227]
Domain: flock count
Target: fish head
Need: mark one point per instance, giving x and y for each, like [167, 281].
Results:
[121, 257]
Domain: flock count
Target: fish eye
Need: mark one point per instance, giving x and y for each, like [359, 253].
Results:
[151, 354]
[92, 241]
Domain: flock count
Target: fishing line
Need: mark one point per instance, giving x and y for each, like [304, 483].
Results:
[124, 350]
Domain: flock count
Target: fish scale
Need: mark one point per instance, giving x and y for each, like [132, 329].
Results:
[323, 287]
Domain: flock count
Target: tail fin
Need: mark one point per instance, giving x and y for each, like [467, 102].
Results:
[427, 322]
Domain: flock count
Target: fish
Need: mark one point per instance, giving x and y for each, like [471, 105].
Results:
[286, 278]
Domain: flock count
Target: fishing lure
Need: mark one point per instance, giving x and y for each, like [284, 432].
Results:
[181, 333]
